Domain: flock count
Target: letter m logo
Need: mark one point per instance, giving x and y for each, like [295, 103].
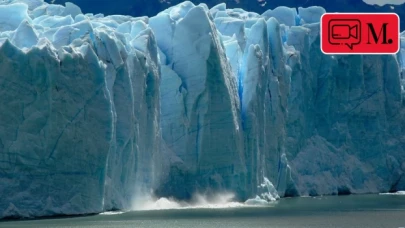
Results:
[380, 37]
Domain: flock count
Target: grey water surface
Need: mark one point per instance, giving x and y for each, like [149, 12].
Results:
[368, 211]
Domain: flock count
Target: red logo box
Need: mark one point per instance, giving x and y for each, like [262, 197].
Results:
[360, 33]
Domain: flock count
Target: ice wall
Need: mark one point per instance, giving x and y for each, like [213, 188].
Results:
[79, 128]
[401, 57]
[97, 110]
[347, 135]
[312, 123]
[200, 109]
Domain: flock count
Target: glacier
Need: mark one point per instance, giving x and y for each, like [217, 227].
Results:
[81, 110]
[100, 111]
[132, 7]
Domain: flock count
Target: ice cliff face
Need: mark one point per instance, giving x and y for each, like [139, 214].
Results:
[80, 96]
[313, 124]
[347, 125]
[98, 110]
[200, 114]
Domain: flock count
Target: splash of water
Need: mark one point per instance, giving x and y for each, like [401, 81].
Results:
[270, 192]
[112, 213]
[399, 193]
[148, 201]
[219, 200]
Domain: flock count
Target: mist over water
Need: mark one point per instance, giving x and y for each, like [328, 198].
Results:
[401, 193]
[199, 200]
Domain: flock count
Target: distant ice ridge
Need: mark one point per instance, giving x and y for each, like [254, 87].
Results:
[384, 2]
[79, 126]
[97, 110]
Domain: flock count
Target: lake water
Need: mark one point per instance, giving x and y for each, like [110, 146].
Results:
[368, 211]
